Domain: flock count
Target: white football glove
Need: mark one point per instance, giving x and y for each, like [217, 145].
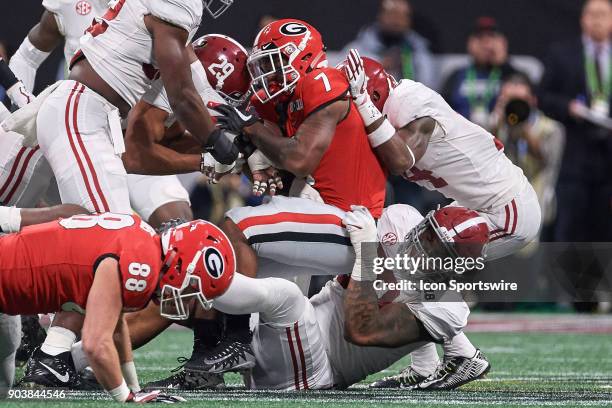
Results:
[361, 227]
[358, 80]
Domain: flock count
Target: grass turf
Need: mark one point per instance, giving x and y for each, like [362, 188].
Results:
[538, 369]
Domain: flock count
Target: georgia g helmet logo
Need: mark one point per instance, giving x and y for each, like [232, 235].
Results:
[293, 29]
[214, 263]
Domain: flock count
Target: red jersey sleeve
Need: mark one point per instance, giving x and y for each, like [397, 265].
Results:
[322, 87]
[139, 267]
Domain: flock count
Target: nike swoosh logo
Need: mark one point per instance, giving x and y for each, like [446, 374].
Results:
[63, 378]
[244, 118]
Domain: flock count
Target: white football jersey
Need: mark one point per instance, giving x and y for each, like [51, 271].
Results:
[73, 17]
[158, 97]
[120, 48]
[463, 161]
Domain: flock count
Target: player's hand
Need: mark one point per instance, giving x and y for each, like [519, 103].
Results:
[221, 146]
[267, 179]
[144, 397]
[360, 225]
[265, 175]
[234, 119]
[358, 80]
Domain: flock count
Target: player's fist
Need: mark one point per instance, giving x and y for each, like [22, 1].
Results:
[358, 80]
[360, 225]
[145, 397]
[233, 119]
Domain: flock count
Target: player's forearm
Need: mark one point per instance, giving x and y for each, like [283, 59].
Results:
[285, 153]
[191, 112]
[104, 360]
[126, 357]
[13, 219]
[159, 160]
[395, 156]
[361, 312]
[35, 48]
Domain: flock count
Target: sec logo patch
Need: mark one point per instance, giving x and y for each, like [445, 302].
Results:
[389, 239]
[83, 7]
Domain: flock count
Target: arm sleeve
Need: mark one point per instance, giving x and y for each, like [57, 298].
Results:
[186, 14]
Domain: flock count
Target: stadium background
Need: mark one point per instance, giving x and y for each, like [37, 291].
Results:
[531, 26]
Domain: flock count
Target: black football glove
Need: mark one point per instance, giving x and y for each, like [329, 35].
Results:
[234, 119]
[221, 147]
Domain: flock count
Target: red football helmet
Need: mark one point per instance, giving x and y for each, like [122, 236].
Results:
[450, 231]
[216, 7]
[224, 60]
[380, 82]
[283, 51]
[199, 262]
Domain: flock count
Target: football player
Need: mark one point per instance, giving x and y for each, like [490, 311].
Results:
[312, 130]
[350, 330]
[128, 267]
[449, 154]
[119, 57]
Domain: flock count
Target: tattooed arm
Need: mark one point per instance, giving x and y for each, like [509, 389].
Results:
[367, 324]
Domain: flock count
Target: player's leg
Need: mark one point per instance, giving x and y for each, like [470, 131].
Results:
[287, 342]
[74, 127]
[25, 175]
[514, 225]
[52, 364]
[10, 335]
[159, 199]
[463, 363]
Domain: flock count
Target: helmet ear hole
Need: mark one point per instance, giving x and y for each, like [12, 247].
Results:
[375, 96]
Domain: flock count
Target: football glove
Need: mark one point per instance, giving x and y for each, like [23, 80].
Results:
[358, 80]
[234, 119]
[221, 147]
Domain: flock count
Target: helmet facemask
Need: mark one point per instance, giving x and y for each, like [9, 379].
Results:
[272, 72]
[217, 7]
[174, 301]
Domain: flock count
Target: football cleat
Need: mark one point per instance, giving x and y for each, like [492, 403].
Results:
[457, 371]
[407, 379]
[44, 370]
[232, 354]
[32, 336]
[188, 381]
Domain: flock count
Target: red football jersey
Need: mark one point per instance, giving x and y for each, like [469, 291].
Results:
[50, 267]
[349, 172]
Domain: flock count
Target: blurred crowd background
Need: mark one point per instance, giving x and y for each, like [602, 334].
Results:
[536, 73]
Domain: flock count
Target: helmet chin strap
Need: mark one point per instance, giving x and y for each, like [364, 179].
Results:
[190, 268]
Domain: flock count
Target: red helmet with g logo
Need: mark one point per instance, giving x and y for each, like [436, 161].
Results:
[199, 263]
[224, 60]
[283, 51]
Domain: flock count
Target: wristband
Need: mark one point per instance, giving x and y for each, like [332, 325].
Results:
[131, 377]
[381, 135]
[121, 393]
[32, 55]
[10, 219]
[369, 113]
